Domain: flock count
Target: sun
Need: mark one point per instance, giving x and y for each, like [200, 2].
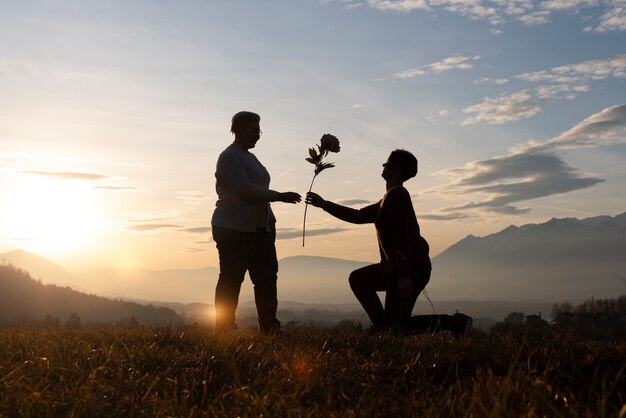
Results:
[48, 215]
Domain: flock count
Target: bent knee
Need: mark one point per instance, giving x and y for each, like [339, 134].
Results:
[355, 279]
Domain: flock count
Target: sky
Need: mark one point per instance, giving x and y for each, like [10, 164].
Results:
[113, 113]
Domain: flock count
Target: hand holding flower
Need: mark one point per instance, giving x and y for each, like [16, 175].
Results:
[315, 200]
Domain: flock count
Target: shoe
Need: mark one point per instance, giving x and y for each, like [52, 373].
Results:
[461, 324]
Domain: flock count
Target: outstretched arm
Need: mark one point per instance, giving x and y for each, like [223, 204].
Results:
[236, 178]
[356, 216]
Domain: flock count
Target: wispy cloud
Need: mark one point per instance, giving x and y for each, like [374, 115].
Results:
[151, 227]
[612, 16]
[69, 175]
[517, 178]
[447, 64]
[567, 82]
[486, 80]
[444, 216]
[198, 230]
[353, 202]
[520, 105]
[435, 117]
[288, 233]
[195, 250]
[95, 178]
[603, 128]
[584, 71]
[193, 197]
[533, 170]
[612, 20]
[118, 188]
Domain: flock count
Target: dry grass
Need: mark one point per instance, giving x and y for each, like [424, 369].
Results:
[195, 372]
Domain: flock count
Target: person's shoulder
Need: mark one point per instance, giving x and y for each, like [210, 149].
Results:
[399, 192]
[229, 152]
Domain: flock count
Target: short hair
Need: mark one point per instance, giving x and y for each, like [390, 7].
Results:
[242, 118]
[404, 161]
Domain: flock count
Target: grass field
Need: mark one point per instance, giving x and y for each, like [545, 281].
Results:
[196, 372]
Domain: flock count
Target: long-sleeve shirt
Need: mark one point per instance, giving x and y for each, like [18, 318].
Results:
[243, 193]
[397, 230]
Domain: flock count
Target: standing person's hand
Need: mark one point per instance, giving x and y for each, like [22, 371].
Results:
[315, 200]
[289, 197]
[405, 287]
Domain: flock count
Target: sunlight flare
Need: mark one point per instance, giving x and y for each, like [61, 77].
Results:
[48, 215]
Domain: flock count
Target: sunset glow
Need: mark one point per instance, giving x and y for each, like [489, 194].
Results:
[48, 215]
[114, 113]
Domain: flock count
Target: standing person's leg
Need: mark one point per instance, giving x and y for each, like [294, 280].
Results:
[264, 274]
[365, 282]
[235, 250]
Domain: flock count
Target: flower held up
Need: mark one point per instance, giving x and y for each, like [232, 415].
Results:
[328, 143]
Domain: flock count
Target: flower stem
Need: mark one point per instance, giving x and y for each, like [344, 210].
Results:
[306, 205]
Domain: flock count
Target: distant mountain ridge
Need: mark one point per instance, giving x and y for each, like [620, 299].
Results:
[558, 259]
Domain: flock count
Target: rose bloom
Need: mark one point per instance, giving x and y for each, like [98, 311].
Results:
[330, 143]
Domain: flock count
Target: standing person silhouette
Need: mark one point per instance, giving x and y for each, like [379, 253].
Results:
[404, 268]
[244, 227]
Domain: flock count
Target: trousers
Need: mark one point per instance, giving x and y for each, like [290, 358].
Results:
[254, 252]
[368, 280]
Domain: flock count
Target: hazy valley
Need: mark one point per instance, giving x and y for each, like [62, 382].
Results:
[524, 268]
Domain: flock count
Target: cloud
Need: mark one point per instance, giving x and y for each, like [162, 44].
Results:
[151, 227]
[399, 5]
[584, 71]
[613, 19]
[518, 178]
[607, 15]
[567, 4]
[90, 177]
[193, 197]
[503, 109]
[410, 73]
[603, 128]
[444, 217]
[567, 82]
[118, 188]
[198, 230]
[533, 170]
[486, 80]
[446, 64]
[535, 18]
[452, 63]
[353, 202]
[435, 117]
[519, 105]
[69, 175]
[194, 250]
[288, 233]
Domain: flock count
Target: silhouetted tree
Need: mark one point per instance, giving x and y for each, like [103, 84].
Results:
[73, 322]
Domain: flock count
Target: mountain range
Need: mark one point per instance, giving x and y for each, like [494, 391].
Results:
[556, 260]
[561, 259]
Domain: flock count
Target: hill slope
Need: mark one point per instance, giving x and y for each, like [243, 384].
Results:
[24, 298]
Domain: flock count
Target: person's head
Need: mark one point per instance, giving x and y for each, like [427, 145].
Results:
[246, 128]
[401, 163]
